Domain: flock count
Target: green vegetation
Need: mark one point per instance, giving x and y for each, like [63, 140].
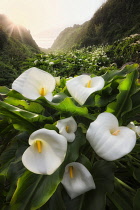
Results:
[117, 182]
[91, 60]
[116, 19]
[70, 37]
[76, 62]
[125, 50]
[16, 45]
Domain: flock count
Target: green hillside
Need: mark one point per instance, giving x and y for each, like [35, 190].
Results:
[69, 37]
[16, 45]
[114, 20]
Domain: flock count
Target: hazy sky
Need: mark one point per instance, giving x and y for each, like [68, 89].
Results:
[39, 15]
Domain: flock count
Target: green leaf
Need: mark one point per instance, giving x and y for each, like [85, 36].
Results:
[134, 113]
[7, 132]
[137, 174]
[72, 204]
[59, 97]
[122, 196]
[7, 157]
[50, 127]
[85, 161]
[103, 175]
[2, 186]
[67, 105]
[4, 90]
[115, 74]
[101, 101]
[22, 120]
[15, 170]
[29, 106]
[55, 202]
[34, 190]
[136, 149]
[96, 199]
[74, 147]
[16, 95]
[123, 102]
[136, 204]
[13, 151]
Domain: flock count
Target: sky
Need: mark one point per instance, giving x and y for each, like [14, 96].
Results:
[42, 15]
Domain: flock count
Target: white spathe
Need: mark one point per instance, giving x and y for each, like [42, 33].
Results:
[81, 87]
[138, 130]
[67, 127]
[108, 140]
[57, 80]
[46, 152]
[77, 179]
[132, 126]
[34, 83]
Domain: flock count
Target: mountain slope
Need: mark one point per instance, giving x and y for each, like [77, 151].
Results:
[17, 32]
[16, 45]
[114, 20]
[70, 37]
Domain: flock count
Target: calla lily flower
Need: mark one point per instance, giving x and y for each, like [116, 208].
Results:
[67, 127]
[132, 126]
[57, 80]
[77, 179]
[46, 152]
[138, 130]
[108, 140]
[51, 63]
[83, 86]
[35, 62]
[34, 83]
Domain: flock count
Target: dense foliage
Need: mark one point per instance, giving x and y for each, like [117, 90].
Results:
[125, 50]
[76, 62]
[114, 20]
[93, 59]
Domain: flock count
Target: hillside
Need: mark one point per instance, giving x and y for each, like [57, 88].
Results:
[114, 20]
[17, 32]
[16, 45]
[69, 37]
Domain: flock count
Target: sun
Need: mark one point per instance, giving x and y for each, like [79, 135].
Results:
[15, 25]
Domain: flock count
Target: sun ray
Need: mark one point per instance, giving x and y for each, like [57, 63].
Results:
[9, 29]
[20, 33]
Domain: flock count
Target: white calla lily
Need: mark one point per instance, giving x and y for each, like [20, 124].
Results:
[83, 86]
[132, 126]
[34, 83]
[46, 152]
[57, 80]
[77, 179]
[67, 127]
[51, 63]
[138, 130]
[108, 140]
